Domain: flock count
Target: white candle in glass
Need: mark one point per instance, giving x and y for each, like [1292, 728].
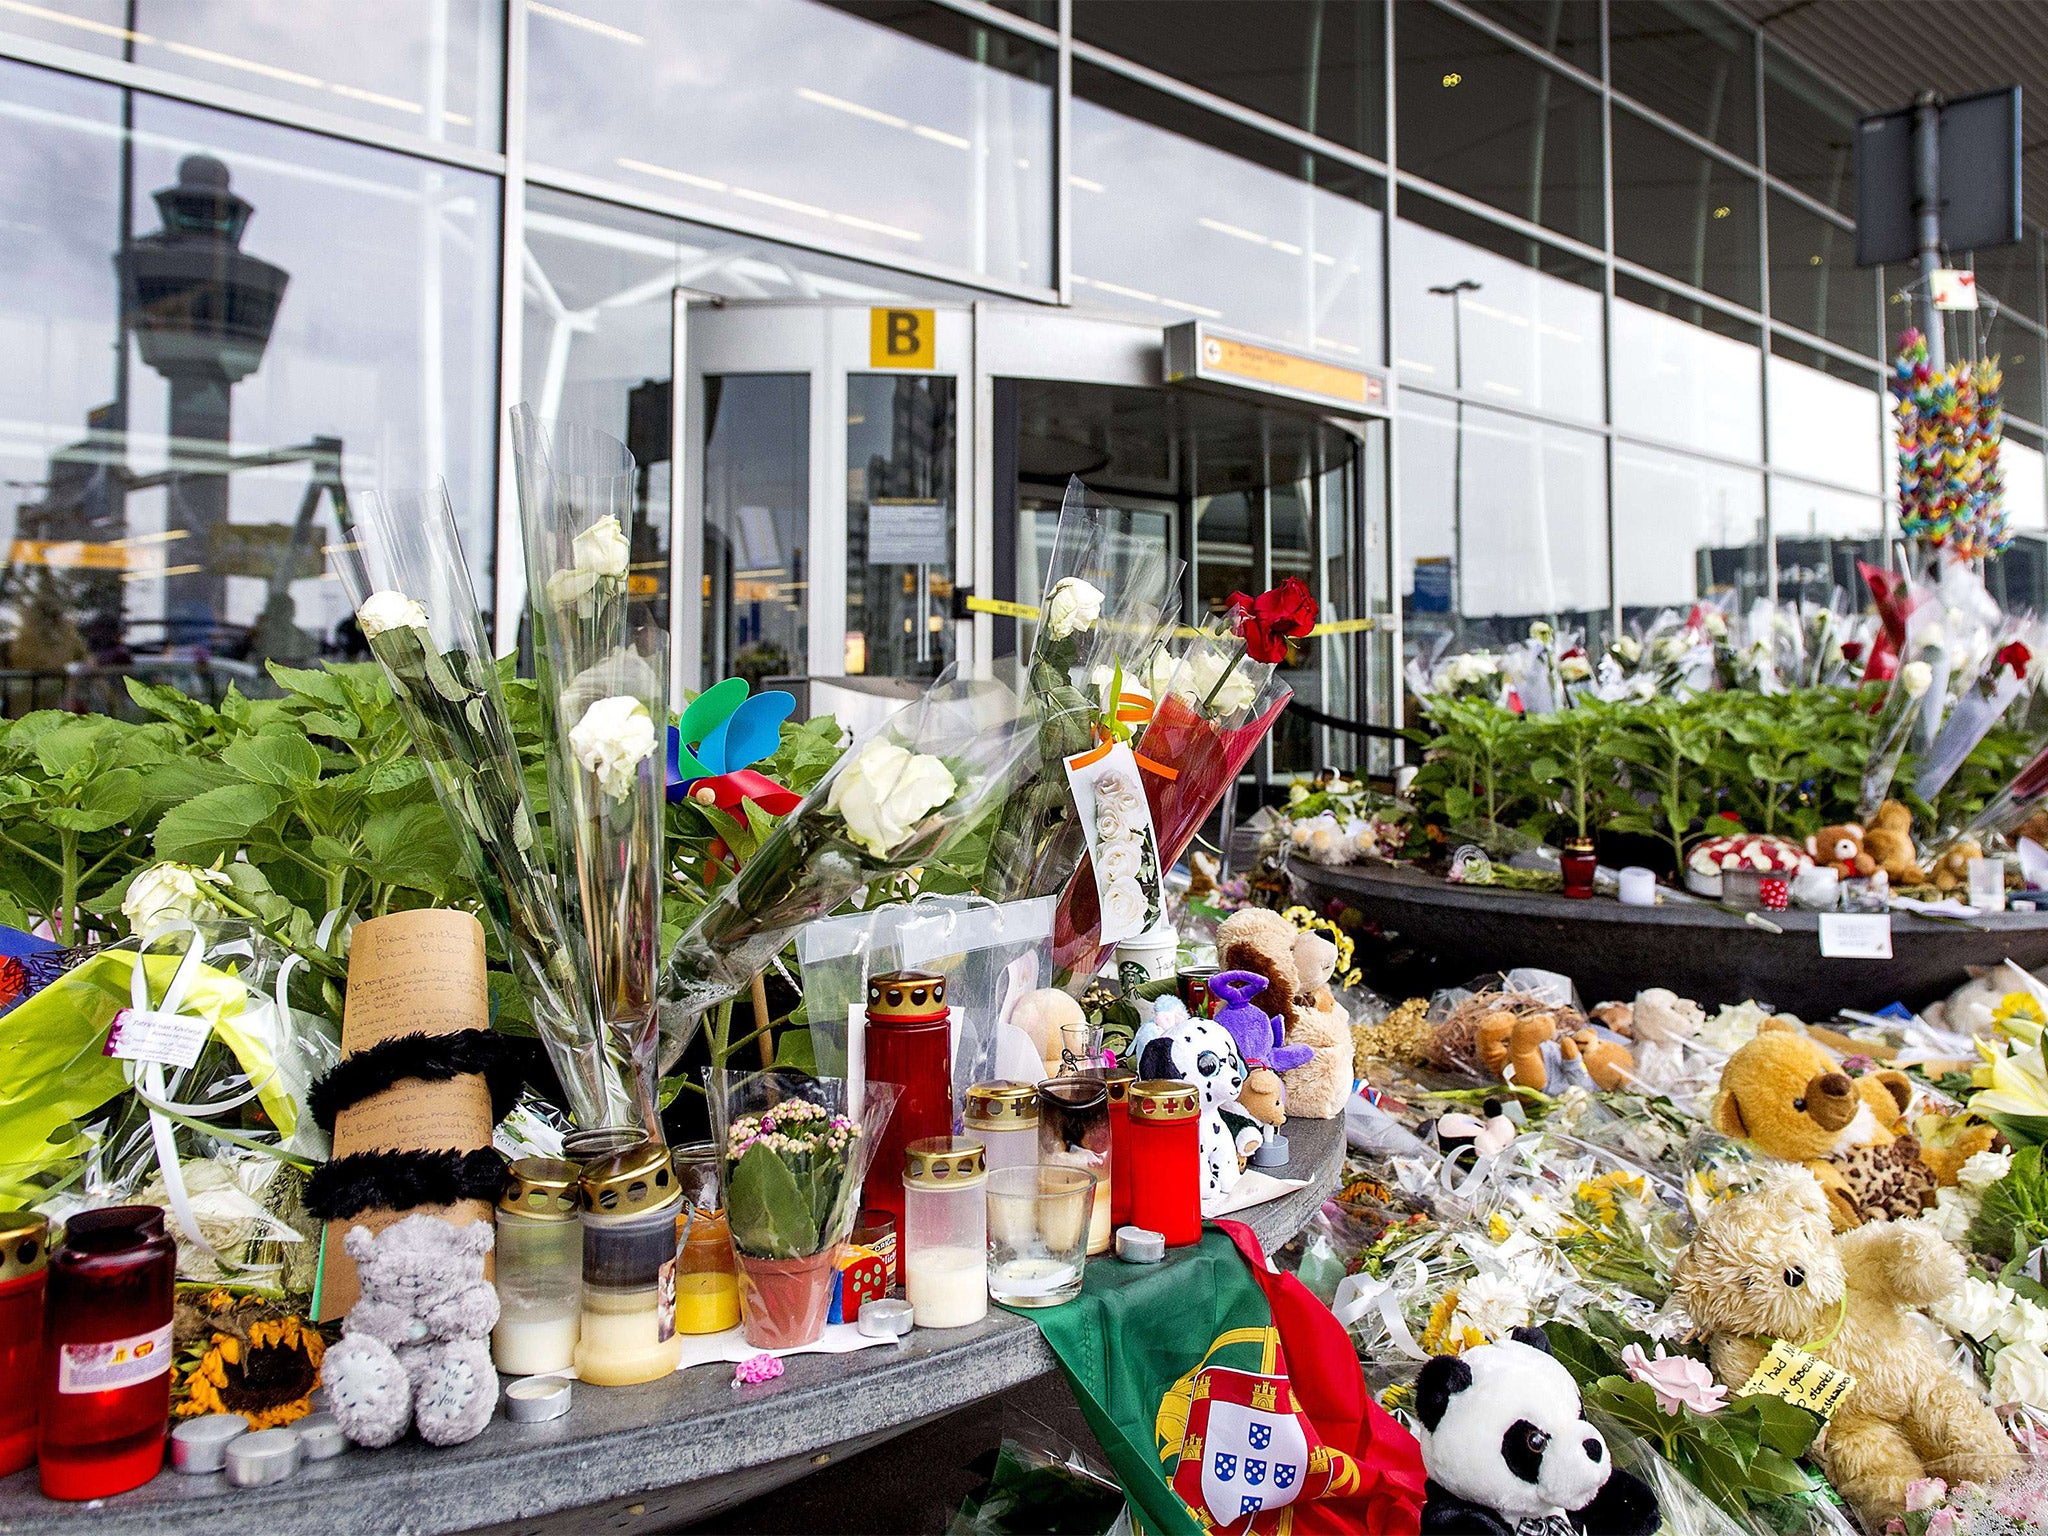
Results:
[947, 1287]
[528, 1343]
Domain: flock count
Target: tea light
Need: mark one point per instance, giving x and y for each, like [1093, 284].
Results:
[320, 1436]
[1638, 887]
[267, 1456]
[201, 1445]
[1987, 884]
[886, 1317]
[537, 1399]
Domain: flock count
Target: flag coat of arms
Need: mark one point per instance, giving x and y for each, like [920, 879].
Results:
[1230, 1401]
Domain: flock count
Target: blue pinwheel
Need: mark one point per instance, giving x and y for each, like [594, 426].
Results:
[722, 733]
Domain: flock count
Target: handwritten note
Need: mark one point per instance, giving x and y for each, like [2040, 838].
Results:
[1801, 1378]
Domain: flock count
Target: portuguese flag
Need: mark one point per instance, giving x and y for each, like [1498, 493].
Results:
[1229, 1399]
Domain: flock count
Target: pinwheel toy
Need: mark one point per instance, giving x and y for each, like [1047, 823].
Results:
[722, 733]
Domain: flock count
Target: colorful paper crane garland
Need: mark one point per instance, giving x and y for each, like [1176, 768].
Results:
[1951, 488]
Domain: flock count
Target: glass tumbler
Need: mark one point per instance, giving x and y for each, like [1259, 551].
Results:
[945, 1232]
[1038, 1220]
[1117, 1081]
[540, 1268]
[1073, 1132]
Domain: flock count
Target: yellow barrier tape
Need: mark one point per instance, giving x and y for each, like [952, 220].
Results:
[1001, 607]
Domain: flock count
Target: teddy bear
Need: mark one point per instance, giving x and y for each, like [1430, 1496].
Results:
[1785, 1094]
[1201, 1052]
[1508, 1449]
[1530, 1051]
[415, 1348]
[1317, 1089]
[1765, 1265]
[1661, 1022]
[1840, 848]
[1888, 839]
[1951, 871]
[1044, 1016]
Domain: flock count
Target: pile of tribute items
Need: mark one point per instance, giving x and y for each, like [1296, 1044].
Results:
[278, 1171]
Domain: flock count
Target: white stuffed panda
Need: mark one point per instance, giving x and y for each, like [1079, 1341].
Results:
[1509, 1452]
[1201, 1052]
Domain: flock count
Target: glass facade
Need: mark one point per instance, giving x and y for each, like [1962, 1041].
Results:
[256, 253]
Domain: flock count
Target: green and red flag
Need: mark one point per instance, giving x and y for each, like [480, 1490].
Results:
[1230, 1401]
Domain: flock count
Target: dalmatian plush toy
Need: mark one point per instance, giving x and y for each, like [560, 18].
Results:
[1201, 1052]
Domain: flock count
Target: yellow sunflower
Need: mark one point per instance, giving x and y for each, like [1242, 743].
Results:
[258, 1360]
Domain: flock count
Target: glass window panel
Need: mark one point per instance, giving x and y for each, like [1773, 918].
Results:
[1684, 213]
[2012, 273]
[1521, 335]
[1485, 119]
[2019, 351]
[1809, 133]
[1826, 417]
[927, 138]
[327, 306]
[1685, 529]
[1690, 61]
[1045, 12]
[1180, 214]
[2026, 489]
[900, 437]
[2018, 578]
[1686, 372]
[1315, 66]
[1820, 535]
[1815, 282]
[757, 524]
[432, 69]
[1517, 511]
[1568, 28]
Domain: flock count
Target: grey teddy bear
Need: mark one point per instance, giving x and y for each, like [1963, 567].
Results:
[415, 1348]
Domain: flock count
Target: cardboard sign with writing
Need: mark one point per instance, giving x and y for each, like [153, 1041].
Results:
[410, 973]
[1801, 1378]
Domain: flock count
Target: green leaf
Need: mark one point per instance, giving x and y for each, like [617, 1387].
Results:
[1546, 768]
[312, 683]
[794, 1049]
[107, 801]
[288, 761]
[1782, 1426]
[218, 822]
[771, 1217]
[1588, 1359]
[70, 747]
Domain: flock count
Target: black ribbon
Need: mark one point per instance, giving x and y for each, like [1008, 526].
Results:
[430, 1058]
[398, 1181]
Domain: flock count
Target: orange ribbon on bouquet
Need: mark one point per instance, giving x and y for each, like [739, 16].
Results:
[1131, 709]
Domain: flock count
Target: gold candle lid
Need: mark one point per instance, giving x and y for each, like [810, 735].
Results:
[943, 1162]
[638, 1179]
[24, 1243]
[1162, 1100]
[542, 1188]
[1117, 1080]
[1002, 1105]
[907, 996]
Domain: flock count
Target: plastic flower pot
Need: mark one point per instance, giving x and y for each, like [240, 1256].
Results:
[1578, 862]
[783, 1302]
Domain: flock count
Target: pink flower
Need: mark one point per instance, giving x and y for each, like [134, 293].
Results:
[1942, 1523]
[1925, 1493]
[756, 1369]
[1677, 1380]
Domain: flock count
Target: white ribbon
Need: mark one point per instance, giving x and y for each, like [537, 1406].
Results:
[1358, 1295]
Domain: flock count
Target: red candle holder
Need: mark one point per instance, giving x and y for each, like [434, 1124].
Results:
[24, 1261]
[106, 1366]
[1166, 1160]
[909, 1042]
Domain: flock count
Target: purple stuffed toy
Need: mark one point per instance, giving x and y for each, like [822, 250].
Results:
[1256, 1031]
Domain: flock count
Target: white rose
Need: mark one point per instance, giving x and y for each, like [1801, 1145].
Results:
[1717, 626]
[566, 589]
[1071, 605]
[1297, 792]
[1115, 789]
[1982, 1171]
[167, 893]
[1123, 905]
[2020, 1375]
[1670, 650]
[389, 610]
[886, 791]
[1120, 860]
[1976, 1309]
[1159, 672]
[1204, 675]
[1574, 669]
[1540, 632]
[1628, 649]
[1917, 676]
[614, 737]
[2024, 1323]
[1952, 1214]
[601, 549]
[1115, 821]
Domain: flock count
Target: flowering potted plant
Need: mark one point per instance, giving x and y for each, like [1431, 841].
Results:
[793, 1165]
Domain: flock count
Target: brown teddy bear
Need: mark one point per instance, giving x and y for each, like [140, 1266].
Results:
[1764, 1266]
[1317, 1090]
[1530, 1051]
[1888, 839]
[1784, 1093]
[1951, 871]
[1841, 848]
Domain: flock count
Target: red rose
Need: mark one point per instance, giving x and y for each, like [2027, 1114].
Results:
[2015, 656]
[1265, 623]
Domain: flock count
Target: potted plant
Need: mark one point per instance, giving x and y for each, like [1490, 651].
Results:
[1575, 756]
[794, 1162]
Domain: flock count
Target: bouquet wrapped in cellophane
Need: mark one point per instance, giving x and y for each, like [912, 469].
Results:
[1109, 603]
[932, 772]
[404, 569]
[1211, 704]
[604, 705]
